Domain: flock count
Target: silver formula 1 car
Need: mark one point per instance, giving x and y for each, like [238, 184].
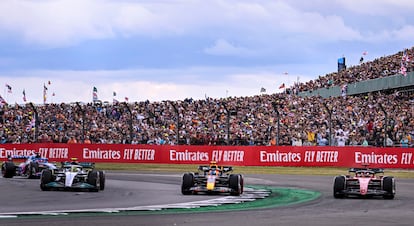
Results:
[73, 176]
[31, 167]
[364, 182]
[212, 179]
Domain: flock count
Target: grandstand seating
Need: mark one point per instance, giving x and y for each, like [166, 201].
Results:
[307, 116]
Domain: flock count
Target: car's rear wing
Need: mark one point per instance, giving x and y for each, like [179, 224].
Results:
[40, 159]
[224, 169]
[374, 170]
[19, 156]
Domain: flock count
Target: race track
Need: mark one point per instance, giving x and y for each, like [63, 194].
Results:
[132, 189]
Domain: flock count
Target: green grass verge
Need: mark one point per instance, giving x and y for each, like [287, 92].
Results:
[278, 197]
[181, 168]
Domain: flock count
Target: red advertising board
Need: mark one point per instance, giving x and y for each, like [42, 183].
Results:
[225, 155]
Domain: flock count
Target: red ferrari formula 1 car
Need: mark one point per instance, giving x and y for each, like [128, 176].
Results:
[364, 182]
[212, 179]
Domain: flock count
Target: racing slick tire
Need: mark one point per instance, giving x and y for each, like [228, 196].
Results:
[235, 184]
[241, 183]
[101, 180]
[388, 185]
[188, 182]
[93, 179]
[8, 169]
[32, 169]
[339, 186]
[45, 178]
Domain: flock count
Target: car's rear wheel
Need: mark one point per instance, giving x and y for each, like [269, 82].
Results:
[339, 186]
[388, 184]
[8, 169]
[187, 183]
[45, 178]
[235, 184]
[101, 180]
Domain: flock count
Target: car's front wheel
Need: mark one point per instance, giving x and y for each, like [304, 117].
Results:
[235, 184]
[93, 179]
[32, 169]
[45, 178]
[388, 184]
[187, 183]
[241, 183]
[339, 186]
[102, 180]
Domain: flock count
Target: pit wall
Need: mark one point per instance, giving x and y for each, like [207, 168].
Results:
[309, 156]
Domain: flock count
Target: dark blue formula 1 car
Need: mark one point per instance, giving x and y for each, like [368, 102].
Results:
[212, 179]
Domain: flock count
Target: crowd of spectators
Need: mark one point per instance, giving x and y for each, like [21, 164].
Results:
[378, 68]
[374, 119]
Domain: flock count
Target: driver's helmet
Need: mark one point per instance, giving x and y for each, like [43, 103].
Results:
[213, 168]
[74, 161]
[213, 164]
[37, 155]
[74, 169]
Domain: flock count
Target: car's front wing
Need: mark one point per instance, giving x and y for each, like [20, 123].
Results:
[370, 192]
[74, 186]
[214, 190]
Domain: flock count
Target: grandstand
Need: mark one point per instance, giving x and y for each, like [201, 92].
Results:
[371, 104]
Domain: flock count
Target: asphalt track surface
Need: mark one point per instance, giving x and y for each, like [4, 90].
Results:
[135, 189]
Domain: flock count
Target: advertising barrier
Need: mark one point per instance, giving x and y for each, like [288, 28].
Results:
[309, 156]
